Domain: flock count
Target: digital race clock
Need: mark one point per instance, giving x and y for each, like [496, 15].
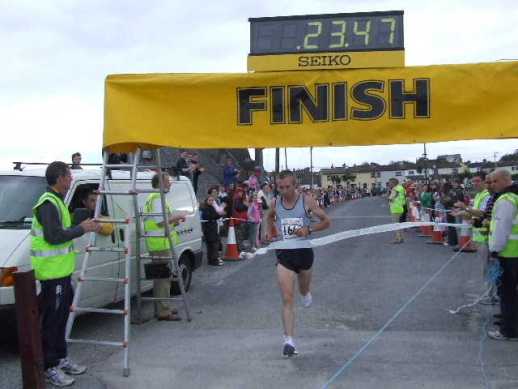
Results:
[352, 40]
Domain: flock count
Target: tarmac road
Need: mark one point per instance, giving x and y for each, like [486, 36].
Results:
[359, 285]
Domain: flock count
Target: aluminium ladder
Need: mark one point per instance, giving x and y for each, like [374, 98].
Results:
[128, 257]
[140, 235]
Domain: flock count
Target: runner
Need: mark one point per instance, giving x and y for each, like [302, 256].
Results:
[290, 214]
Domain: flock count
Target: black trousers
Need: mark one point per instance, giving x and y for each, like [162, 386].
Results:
[241, 235]
[54, 300]
[212, 251]
[452, 231]
[509, 297]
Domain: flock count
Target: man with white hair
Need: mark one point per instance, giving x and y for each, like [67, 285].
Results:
[503, 245]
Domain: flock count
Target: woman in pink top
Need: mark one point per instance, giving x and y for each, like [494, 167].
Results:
[254, 181]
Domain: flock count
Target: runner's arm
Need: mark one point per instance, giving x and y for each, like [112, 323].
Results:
[324, 222]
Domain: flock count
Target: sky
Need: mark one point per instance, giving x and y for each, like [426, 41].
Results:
[56, 54]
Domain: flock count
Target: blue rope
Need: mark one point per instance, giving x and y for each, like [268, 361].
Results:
[493, 276]
[483, 337]
[494, 272]
[389, 322]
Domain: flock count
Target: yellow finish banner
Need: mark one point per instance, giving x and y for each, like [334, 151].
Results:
[312, 108]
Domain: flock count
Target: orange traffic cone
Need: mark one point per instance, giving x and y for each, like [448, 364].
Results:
[437, 234]
[465, 243]
[232, 251]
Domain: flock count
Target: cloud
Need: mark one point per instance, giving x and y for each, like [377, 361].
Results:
[57, 54]
[51, 128]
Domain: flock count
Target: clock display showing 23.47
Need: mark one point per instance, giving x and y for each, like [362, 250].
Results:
[365, 31]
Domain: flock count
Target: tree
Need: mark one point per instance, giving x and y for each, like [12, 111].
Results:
[335, 179]
[509, 157]
[347, 176]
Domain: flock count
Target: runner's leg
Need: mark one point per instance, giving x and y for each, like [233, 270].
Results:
[305, 277]
[286, 279]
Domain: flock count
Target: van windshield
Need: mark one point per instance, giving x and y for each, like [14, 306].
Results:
[18, 194]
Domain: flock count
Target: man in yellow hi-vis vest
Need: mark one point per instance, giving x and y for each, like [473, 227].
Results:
[54, 260]
[158, 244]
[503, 245]
[397, 203]
[475, 214]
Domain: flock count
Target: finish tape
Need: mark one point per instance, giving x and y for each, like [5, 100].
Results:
[299, 243]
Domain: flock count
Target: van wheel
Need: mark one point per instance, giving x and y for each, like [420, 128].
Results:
[185, 269]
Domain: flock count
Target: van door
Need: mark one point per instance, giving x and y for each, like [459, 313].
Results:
[100, 264]
[123, 208]
[182, 199]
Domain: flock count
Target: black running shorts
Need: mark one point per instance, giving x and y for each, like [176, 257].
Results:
[296, 259]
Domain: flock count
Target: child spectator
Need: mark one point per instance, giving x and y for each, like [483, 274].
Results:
[254, 180]
[240, 215]
[254, 220]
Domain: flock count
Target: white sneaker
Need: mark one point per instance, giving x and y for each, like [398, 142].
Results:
[497, 335]
[56, 377]
[70, 367]
[307, 300]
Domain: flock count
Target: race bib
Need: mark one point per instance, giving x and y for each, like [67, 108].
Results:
[290, 225]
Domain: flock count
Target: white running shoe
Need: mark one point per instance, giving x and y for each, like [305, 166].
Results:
[70, 367]
[56, 377]
[307, 300]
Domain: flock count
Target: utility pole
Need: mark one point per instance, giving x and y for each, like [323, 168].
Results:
[259, 157]
[276, 163]
[311, 165]
[425, 156]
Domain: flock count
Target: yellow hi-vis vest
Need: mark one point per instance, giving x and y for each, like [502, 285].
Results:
[157, 241]
[397, 205]
[51, 261]
[511, 248]
[480, 235]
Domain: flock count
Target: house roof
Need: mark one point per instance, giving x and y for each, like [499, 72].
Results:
[420, 164]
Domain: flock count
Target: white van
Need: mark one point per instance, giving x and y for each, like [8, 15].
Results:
[19, 191]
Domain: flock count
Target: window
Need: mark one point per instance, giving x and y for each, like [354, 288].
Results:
[514, 168]
[81, 193]
[18, 194]
[411, 172]
[180, 197]
[398, 174]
